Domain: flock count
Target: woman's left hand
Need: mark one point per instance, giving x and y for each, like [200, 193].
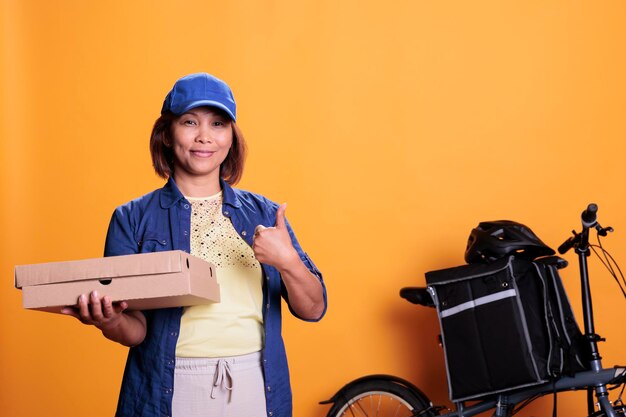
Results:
[272, 245]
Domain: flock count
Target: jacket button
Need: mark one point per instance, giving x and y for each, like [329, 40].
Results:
[226, 213]
[269, 388]
[270, 413]
[243, 233]
[186, 206]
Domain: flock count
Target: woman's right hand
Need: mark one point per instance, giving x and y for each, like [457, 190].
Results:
[127, 328]
[96, 311]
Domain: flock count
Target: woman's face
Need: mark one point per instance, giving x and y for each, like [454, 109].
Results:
[201, 140]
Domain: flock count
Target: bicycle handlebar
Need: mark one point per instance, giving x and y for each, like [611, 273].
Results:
[589, 219]
[567, 245]
[589, 216]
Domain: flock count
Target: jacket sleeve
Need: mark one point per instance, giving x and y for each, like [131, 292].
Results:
[120, 238]
[308, 262]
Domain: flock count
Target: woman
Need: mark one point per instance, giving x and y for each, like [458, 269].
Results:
[219, 358]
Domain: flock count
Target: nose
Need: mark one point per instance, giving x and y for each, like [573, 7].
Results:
[204, 134]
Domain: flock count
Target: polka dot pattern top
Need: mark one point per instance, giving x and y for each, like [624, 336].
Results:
[213, 237]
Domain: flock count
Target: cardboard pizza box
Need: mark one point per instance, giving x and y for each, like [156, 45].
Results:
[145, 281]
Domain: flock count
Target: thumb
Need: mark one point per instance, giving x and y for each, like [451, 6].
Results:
[280, 216]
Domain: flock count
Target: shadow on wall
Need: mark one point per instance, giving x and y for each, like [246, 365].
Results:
[418, 348]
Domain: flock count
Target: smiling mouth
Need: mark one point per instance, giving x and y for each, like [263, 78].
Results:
[202, 154]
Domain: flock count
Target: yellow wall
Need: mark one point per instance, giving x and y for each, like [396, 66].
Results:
[390, 128]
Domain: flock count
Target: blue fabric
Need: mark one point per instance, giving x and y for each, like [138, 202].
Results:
[200, 89]
[160, 221]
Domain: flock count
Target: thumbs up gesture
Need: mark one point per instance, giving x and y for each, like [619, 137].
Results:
[272, 245]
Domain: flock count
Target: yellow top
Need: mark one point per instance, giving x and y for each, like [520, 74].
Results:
[233, 326]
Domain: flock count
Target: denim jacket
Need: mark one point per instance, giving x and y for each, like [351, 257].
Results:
[160, 221]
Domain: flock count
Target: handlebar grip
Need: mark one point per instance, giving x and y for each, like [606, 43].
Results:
[567, 245]
[589, 216]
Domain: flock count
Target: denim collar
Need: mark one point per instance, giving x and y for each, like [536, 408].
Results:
[170, 194]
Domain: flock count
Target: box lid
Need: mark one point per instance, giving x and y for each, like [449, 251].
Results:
[101, 268]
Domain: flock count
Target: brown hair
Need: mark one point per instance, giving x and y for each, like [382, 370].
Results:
[231, 169]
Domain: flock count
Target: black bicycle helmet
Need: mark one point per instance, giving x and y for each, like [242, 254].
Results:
[494, 240]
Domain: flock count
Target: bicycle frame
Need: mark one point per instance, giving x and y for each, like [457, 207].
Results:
[580, 242]
[503, 403]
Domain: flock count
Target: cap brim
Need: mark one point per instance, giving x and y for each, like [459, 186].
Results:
[209, 103]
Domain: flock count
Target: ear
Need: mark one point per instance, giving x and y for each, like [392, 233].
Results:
[167, 141]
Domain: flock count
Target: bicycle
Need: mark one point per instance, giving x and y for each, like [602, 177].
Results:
[387, 395]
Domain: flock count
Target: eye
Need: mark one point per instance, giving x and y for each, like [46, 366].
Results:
[220, 121]
[189, 122]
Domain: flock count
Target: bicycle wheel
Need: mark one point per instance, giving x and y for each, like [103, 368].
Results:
[379, 398]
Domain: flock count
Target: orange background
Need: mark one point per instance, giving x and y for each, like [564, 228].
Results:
[390, 128]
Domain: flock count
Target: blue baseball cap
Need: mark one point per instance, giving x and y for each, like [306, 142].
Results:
[200, 89]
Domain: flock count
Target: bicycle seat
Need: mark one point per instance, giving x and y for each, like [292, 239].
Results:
[417, 295]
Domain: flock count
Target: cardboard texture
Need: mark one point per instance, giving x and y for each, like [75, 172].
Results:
[145, 281]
